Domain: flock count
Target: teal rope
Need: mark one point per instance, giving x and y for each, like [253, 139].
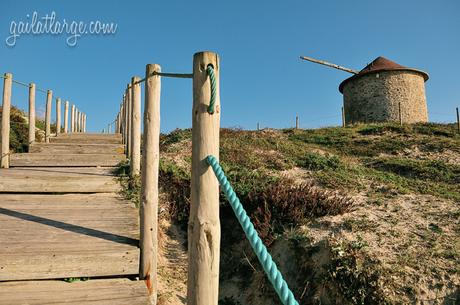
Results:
[274, 275]
[212, 78]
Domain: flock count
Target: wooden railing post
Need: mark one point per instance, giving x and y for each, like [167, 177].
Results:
[123, 121]
[6, 105]
[80, 116]
[49, 97]
[458, 120]
[72, 119]
[31, 113]
[58, 116]
[204, 224]
[75, 127]
[66, 117]
[129, 122]
[149, 186]
[78, 120]
[135, 127]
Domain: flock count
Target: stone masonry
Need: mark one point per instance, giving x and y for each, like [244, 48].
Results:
[375, 97]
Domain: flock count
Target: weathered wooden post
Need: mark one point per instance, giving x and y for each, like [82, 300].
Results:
[58, 116]
[31, 113]
[129, 122]
[80, 115]
[135, 167]
[66, 117]
[458, 121]
[296, 121]
[6, 106]
[204, 224]
[343, 118]
[49, 97]
[80, 121]
[76, 120]
[72, 119]
[123, 120]
[149, 186]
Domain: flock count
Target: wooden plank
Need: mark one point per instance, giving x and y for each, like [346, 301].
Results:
[40, 241]
[85, 140]
[71, 171]
[27, 159]
[65, 264]
[86, 136]
[75, 148]
[43, 181]
[94, 292]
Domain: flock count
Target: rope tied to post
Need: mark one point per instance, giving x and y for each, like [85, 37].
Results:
[274, 275]
[212, 78]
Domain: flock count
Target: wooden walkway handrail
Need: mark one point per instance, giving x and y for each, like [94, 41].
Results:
[5, 119]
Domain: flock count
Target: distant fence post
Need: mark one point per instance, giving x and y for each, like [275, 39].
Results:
[128, 122]
[400, 114]
[258, 126]
[149, 186]
[66, 117]
[72, 119]
[80, 116]
[49, 97]
[129, 98]
[343, 117]
[5, 156]
[296, 121]
[76, 120]
[31, 113]
[135, 127]
[58, 116]
[117, 127]
[122, 119]
[204, 223]
[458, 120]
[79, 121]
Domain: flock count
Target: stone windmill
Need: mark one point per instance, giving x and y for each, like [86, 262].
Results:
[383, 91]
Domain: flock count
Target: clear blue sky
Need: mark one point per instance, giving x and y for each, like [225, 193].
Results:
[262, 79]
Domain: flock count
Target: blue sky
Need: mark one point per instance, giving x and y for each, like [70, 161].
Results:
[259, 42]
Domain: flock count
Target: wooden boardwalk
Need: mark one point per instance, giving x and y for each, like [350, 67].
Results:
[61, 216]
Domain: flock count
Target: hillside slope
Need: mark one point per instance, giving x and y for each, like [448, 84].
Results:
[367, 214]
[19, 129]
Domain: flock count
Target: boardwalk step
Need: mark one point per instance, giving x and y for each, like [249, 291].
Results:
[73, 148]
[31, 159]
[50, 180]
[87, 138]
[63, 236]
[100, 292]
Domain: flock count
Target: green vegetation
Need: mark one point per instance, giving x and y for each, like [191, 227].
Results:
[76, 279]
[290, 181]
[19, 130]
